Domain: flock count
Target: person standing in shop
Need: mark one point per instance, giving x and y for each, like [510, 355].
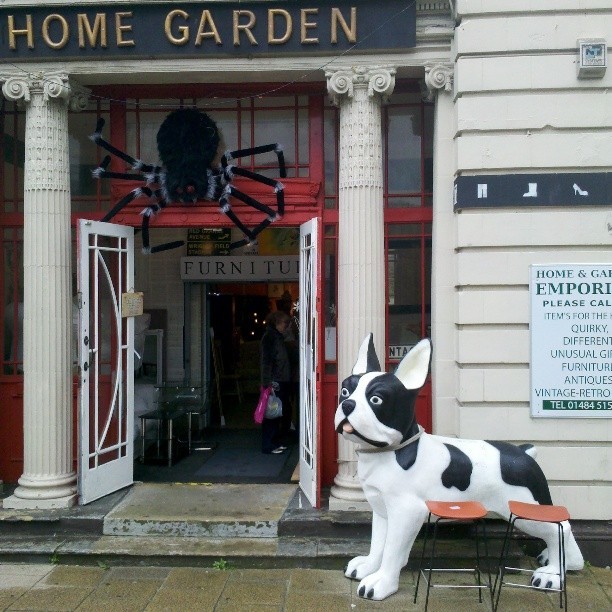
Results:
[276, 372]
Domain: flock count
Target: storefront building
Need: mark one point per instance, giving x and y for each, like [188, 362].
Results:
[453, 155]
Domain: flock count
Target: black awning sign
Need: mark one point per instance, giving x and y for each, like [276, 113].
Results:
[519, 190]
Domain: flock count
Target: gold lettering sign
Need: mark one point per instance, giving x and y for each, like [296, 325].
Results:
[92, 33]
[78, 32]
[13, 32]
[272, 38]
[244, 27]
[121, 28]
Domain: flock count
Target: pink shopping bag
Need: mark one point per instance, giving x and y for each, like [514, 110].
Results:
[260, 411]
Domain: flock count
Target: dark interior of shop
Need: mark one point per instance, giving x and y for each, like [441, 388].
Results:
[226, 445]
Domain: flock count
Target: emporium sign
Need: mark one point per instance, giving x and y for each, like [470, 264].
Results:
[188, 29]
[571, 340]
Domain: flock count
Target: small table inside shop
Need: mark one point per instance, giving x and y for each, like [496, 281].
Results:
[177, 400]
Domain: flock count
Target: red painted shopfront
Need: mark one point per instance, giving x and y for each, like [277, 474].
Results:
[249, 115]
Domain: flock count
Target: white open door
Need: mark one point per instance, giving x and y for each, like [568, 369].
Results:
[309, 377]
[106, 359]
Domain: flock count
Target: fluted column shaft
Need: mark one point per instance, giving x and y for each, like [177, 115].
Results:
[48, 480]
[359, 93]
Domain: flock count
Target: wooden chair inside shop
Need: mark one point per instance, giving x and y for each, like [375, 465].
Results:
[225, 384]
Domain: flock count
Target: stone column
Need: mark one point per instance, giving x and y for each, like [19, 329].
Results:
[48, 479]
[439, 83]
[359, 92]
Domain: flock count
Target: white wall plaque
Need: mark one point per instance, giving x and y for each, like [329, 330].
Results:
[571, 340]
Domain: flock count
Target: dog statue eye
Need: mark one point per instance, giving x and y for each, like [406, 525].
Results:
[377, 401]
[344, 392]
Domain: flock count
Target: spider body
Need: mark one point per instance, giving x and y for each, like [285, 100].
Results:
[188, 144]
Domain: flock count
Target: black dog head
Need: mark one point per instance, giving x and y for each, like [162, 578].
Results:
[377, 407]
[187, 142]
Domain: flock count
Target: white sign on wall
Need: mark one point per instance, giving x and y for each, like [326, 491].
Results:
[280, 268]
[571, 340]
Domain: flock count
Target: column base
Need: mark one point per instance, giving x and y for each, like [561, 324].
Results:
[346, 493]
[43, 493]
[346, 505]
[19, 503]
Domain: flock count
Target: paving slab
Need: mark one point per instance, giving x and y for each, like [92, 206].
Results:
[200, 510]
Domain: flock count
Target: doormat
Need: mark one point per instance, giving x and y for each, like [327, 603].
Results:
[242, 462]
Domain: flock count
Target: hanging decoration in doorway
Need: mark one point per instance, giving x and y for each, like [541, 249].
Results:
[188, 143]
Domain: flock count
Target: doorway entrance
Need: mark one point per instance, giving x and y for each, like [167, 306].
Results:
[211, 340]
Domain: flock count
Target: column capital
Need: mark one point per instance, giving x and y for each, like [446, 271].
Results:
[51, 85]
[374, 79]
[438, 77]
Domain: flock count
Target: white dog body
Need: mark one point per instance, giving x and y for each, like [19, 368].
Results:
[400, 467]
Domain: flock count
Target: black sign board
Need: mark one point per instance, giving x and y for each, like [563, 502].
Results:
[208, 241]
[518, 190]
[204, 29]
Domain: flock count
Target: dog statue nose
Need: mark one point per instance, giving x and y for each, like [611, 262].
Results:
[348, 406]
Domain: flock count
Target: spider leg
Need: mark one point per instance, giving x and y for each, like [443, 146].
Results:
[125, 200]
[279, 189]
[101, 172]
[229, 155]
[147, 213]
[136, 164]
[250, 235]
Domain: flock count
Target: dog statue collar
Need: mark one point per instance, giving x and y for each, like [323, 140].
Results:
[393, 447]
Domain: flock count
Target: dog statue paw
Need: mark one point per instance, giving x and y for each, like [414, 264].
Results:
[377, 586]
[400, 467]
[360, 567]
[546, 577]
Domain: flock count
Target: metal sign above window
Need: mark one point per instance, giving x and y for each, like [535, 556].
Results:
[253, 268]
[204, 29]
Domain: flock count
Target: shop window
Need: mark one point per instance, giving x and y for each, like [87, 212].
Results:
[11, 307]
[87, 194]
[408, 248]
[331, 136]
[243, 123]
[13, 156]
[408, 141]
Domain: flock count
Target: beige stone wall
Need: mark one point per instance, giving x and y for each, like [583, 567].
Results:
[520, 108]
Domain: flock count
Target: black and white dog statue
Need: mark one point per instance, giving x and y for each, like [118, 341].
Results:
[400, 467]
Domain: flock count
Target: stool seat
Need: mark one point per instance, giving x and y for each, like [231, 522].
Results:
[538, 512]
[466, 511]
[460, 511]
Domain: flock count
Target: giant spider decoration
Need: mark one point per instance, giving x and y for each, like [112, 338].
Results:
[188, 142]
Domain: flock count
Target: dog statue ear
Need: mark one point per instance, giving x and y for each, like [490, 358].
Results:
[367, 361]
[414, 367]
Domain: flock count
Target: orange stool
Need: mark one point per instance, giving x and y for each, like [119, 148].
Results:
[460, 512]
[544, 514]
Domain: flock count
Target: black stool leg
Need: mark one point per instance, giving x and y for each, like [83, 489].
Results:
[426, 527]
[502, 561]
[433, 554]
[562, 586]
[478, 560]
[486, 547]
